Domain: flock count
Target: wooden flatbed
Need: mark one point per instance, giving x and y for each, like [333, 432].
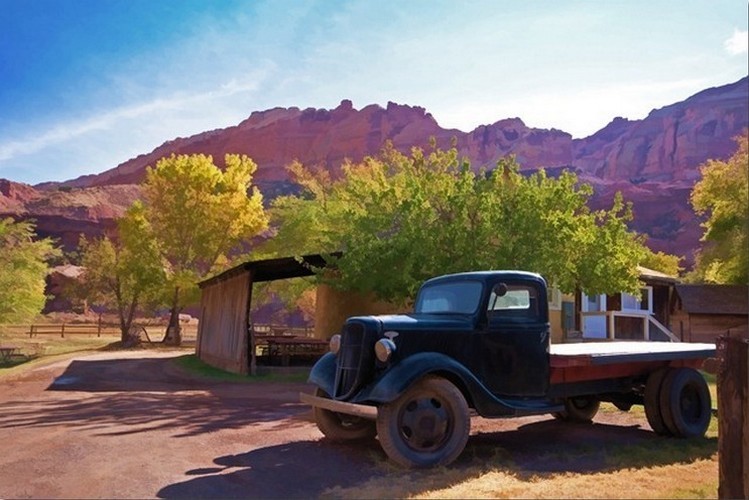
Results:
[599, 360]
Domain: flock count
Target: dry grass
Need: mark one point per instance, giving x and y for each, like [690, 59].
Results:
[533, 463]
[697, 478]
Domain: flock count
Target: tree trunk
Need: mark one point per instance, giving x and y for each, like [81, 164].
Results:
[173, 330]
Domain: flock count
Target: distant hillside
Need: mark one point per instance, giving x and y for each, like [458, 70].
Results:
[654, 161]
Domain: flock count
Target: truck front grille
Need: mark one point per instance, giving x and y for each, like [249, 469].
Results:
[354, 360]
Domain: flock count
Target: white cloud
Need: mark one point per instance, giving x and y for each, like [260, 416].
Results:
[120, 119]
[580, 111]
[738, 43]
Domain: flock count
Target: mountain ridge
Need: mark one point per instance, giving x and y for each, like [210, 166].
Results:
[654, 161]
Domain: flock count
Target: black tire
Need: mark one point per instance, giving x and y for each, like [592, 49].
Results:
[685, 403]
[427, 425]
[578, 409]
[339, 427]
[653, 412]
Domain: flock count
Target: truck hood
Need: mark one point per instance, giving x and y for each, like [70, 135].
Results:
[425, 322]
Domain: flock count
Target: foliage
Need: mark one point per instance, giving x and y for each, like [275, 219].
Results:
[195, 214]
[723, 195]
[663, 262]
[124, 274]
[400, 219]
[23, 269]
[296, 295]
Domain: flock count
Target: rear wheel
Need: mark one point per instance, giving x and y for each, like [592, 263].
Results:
[340, 427]
[653, 404]
[685, 403]
[427, 425]
[578, 409]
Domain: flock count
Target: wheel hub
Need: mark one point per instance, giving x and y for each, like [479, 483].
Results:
[424, 424]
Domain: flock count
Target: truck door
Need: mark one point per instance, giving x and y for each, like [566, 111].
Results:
[515, 346]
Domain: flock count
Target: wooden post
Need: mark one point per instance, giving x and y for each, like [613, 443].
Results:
[733, 417]
[98, 327]
[62, 331]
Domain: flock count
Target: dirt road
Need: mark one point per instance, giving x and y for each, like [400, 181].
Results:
[132, 425]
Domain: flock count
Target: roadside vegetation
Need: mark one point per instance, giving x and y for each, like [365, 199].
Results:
[194, 366]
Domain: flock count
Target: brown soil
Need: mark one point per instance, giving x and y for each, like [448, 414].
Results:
[133, 425]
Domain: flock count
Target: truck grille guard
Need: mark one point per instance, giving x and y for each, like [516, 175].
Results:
[355, 360]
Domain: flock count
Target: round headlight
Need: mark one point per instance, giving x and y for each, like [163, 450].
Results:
[335, 344]
[384, 349]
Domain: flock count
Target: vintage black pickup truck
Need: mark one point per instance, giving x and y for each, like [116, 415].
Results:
[481, 341]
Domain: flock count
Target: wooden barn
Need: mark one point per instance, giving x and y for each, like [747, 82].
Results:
[701, 313]
[224, 338]
[225, 332]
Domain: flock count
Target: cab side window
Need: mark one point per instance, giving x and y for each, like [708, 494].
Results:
[513, 302]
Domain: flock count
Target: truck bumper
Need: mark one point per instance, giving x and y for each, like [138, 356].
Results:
[357, 410]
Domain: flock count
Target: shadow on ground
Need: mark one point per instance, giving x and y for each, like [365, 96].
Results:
[302, 469]
[128, 396]
[313, 468]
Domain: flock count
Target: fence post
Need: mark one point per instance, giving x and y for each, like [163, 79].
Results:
[733, 416]
[62, 331]
[98, 327]
[31, 331]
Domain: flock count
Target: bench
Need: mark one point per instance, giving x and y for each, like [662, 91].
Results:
[285, 348]
[8, 351]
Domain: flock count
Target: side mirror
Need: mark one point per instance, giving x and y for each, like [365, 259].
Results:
[500, 289]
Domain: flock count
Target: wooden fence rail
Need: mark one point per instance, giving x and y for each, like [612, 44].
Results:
[63, 329]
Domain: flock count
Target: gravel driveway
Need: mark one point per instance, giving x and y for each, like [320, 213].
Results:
[131, 424]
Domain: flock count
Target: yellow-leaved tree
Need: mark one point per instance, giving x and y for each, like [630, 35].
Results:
[723, 195]
[196, 214]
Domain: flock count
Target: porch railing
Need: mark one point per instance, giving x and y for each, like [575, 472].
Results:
[649, 324]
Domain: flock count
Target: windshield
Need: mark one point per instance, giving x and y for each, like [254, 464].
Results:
[453, 297]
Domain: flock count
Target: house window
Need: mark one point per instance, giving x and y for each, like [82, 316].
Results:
[640, 303]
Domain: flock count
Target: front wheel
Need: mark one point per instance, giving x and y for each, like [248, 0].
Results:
[428, 425]
[340, 427]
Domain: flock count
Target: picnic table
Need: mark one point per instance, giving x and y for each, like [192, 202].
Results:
[7, 351]
[284, 348]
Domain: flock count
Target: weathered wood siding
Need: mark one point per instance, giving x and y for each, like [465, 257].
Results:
[334, 307]
[705, 327]
[222, 333]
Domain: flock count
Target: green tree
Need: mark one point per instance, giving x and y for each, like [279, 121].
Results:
[400, 219]
[196, 213]
[126, 274]
[723, 195]
[23, 269]
[663, 262]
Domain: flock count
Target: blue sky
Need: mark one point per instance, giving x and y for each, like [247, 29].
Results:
[88, 84]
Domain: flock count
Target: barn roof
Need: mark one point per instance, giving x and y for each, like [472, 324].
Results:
[714, 299]
[653, 277]
[271, 269]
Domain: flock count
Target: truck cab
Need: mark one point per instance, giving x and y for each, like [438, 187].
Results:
[477, 340]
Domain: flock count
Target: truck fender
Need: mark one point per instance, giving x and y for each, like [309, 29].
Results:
[323, 373]
[398, 378]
